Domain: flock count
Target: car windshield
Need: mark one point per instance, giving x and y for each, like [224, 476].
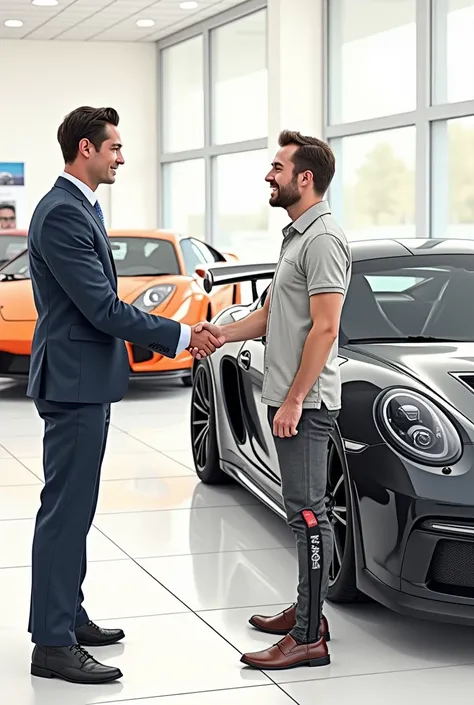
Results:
[419, 298]
[133, 256]
[142, 256]
[11, 246]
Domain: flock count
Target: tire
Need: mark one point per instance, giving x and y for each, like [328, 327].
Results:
[342, 575]
[203, 429]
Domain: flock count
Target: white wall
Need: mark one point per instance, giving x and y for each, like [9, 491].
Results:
[46, 80]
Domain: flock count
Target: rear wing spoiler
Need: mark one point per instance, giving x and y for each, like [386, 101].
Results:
[219, 274]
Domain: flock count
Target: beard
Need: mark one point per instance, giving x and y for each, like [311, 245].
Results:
[285, 196]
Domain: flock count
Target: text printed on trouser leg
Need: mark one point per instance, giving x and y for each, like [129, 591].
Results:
[315, 573]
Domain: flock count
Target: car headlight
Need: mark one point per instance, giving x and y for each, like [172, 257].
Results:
[416, 427]
[153, 297]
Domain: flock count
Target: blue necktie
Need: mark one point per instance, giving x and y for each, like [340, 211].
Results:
[99, 212]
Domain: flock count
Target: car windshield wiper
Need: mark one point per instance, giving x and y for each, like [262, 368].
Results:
[403, 339]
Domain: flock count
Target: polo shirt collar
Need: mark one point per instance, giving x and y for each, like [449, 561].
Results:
[307, 218]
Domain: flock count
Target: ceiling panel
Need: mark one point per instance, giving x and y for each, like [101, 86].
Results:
[103, 20]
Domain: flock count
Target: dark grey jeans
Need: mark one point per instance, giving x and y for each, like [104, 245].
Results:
[303, 467]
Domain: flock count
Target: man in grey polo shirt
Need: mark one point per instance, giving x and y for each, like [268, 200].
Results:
[302, 386]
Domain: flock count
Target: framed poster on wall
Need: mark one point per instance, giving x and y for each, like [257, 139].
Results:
[13, 205]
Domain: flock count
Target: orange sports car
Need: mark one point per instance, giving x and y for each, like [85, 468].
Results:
[156, 272]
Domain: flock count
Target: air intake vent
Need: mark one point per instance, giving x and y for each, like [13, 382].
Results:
[465, 378]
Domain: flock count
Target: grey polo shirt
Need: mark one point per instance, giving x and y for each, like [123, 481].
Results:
[314, 258]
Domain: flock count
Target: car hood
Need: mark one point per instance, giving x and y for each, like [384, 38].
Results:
[17, 303]
[436, 365]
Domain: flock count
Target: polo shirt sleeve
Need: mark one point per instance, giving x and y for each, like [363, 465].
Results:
[324, 261]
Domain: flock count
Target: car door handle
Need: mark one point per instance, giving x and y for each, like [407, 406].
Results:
[244, 359]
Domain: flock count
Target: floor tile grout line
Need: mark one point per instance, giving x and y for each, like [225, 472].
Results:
[196, 614]
[89, 561]
[138, 511]
[191, 692]
[158, 451]
[379, 673]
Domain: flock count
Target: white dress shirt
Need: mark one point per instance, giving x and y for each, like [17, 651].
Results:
[185, 335]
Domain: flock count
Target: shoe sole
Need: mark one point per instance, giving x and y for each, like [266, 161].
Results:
[102, 643]
[282, 632]
[47, 673]
[323, 661]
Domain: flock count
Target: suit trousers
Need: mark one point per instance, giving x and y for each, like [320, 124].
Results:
[303, 467]
[74, 442]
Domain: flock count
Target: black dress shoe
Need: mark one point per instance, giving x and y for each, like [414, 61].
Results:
[91, 635]
[72, 664]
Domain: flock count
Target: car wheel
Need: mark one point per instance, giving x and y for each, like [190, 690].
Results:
[203, 429]
[342, 573]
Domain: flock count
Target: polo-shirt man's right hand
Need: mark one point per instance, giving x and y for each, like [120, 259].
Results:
[205, 339]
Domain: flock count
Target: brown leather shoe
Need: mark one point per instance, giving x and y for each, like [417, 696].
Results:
[288, 654]
[284, 622]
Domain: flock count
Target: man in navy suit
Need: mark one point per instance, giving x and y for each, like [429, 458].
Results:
[79, 366]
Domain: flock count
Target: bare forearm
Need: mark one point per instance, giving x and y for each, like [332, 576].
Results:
[249, 328]
[315, 354]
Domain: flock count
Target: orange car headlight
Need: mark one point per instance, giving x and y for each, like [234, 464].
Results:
[153, 297]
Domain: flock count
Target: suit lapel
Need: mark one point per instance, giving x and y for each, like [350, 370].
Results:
[77, 193]
[95, 215]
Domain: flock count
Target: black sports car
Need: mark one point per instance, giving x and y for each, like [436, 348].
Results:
[400, 487]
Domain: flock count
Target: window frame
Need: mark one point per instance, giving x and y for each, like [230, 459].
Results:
[209, 152]
[426, 114]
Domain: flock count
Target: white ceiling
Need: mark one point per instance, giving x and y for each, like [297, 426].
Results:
[103, 20]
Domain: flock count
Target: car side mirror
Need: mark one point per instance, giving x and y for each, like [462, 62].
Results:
[207, 279]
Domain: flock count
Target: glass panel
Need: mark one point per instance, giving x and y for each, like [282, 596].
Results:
[370, 75]
[184, 199]
[438, 306]
[143, 256]
[20, 267]
[11, 246]
[183, 96]
[373, 191]
[453, 51]
[453, 178]
[241, 205]
[239, 72]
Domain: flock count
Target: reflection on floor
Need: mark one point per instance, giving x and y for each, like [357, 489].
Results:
[181, 567]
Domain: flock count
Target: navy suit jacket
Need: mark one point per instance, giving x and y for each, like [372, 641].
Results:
[78, 350]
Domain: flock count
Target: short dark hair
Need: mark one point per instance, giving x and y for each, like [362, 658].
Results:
[312, 155]
[10, 207]
[85, 123]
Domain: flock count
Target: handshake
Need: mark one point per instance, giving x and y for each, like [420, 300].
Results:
[205, 339]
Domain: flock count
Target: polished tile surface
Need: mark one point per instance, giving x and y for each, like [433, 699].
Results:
[181, 567]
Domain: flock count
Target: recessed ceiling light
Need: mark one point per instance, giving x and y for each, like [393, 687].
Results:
[188, 5]
[13, 23]
[145, 23]
[45, 3]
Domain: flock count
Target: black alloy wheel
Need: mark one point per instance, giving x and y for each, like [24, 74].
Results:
[203, 428]
[342, 573]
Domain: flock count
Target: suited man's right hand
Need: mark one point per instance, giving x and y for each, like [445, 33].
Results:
[204, 341]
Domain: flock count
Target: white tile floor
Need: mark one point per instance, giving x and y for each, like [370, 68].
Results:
[181, 567]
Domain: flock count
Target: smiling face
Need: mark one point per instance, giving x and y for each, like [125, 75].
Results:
[286, 186]
[102, 164]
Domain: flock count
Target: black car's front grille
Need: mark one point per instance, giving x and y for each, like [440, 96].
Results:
[141, 354]
[452, 568]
